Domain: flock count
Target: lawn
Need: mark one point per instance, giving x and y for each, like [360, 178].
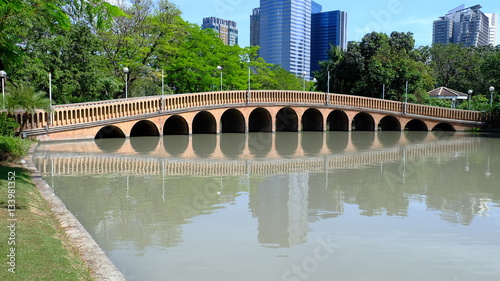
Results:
[32, 244]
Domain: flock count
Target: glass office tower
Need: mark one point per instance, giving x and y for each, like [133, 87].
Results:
[327, 28]
[285, 34]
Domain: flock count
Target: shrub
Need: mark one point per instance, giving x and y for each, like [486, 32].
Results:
[13, 148]
[8, 125]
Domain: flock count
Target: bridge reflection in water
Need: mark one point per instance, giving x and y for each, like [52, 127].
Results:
[298, 178]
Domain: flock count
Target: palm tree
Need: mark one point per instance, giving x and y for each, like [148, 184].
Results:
[25, 98]
[335, 58]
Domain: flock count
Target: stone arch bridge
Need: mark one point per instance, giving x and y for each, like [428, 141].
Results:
[240, 112]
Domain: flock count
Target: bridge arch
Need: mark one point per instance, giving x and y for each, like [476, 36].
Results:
[389, 123]
[287, 120]
[144, 128]
[338, 121]
[363, 122]
[416, 125]
[260, 120]
[176, 125]
[232, 121]
[312, 120]
[444, 127]
[109, 132]
[204, 123]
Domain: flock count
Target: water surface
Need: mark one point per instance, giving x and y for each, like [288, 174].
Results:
[287, 206]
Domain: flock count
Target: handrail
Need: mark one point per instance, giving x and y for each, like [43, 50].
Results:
[73, 114]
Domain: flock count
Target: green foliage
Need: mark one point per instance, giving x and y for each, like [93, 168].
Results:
[24, 97]
[8, 125]
[13, 148]
[377, 60]
[18, 19]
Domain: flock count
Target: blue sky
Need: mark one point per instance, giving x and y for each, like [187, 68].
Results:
[364, 16]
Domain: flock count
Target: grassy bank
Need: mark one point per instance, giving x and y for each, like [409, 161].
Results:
[42, 250]
[13, 148]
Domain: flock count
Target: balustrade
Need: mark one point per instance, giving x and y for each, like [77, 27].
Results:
[72, 114]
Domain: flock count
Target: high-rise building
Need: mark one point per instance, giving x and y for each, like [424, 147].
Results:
[316, 8]
[227, 30]
[470, 27]
[442, 31]
[255, 27]
[285, 34]
[328, 28]
[493, 28]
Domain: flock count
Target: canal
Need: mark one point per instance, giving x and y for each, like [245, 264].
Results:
[287, 206]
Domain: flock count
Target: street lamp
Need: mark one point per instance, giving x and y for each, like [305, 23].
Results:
[328, 81]
[3, 75]
[469, 96]
[220, 69]
[491, 95]
[126, 71]
[304, 78]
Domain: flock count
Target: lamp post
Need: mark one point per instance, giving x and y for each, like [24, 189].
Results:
[162, 90]
[3, 75]
[406, 99]
[304, 78]
[51, 116]
[328, 81]
[491, 95]
[220, 69]
[126, 71]
[469, 96]
[249, 73]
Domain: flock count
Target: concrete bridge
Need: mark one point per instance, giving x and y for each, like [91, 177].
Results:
[240, 112]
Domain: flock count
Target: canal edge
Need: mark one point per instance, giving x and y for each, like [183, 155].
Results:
[101, 267]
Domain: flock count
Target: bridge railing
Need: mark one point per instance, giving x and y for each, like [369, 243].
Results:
[72, 114]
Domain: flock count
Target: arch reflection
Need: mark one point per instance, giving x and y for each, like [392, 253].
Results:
[110, 145]
[204, 145]
[363, 140]
[260, 144]
[144, 145]
[312, 143]
[286, 143]
[232, 145]
[176, 145]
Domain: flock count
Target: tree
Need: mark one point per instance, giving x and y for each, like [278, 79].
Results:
[19, 17]
[143, 41]
[73, 56]
[24, 97]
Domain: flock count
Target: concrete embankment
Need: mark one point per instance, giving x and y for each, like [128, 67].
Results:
[100, 265]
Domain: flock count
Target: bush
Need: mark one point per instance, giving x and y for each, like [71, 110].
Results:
[13, 148]
[8, 125]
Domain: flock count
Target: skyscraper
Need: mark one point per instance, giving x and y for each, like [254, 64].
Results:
[470, 27]
[285, 34]
[255, 27]
[227, 30]
[442, 32]
[327, 28]
[493, 28]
